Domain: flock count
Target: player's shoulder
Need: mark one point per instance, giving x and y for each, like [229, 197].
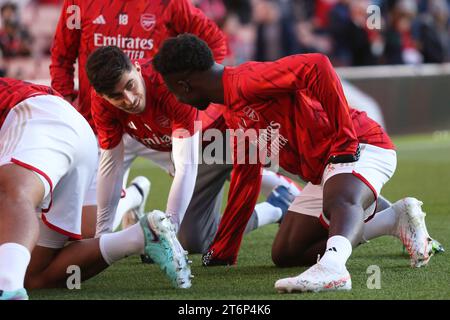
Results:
[100, 105]
[246, 67]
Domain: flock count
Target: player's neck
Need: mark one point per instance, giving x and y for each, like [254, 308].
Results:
[216, 84]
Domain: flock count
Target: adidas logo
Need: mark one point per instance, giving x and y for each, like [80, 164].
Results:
[332, 249]
[99, 20]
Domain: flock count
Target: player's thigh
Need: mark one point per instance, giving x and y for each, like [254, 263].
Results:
[303, 225]
[46, 135]
[20, 184]
[346, 190]
[358, 183]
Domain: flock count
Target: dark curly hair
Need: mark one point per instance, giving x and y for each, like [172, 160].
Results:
[186, 52]
[105, 66]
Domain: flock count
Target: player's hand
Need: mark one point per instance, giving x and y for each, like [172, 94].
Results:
[208, 260]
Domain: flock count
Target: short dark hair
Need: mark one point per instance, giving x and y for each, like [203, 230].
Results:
[105, 66]
[186, 52]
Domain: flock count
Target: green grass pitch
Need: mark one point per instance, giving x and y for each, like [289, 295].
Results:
[423, 171]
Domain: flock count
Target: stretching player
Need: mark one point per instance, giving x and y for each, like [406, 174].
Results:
[345, 156]
[47, 163]
[132, 98]
[137, 27]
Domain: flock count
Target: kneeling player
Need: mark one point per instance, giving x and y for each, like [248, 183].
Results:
[47, 162]
[346, 156]
[131, 98]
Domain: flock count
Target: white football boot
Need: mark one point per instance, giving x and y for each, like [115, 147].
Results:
[316, 278]
[163, 247]
[412, 231]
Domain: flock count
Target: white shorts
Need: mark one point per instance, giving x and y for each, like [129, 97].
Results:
[49, 238]
[375, 167]
[47, 135]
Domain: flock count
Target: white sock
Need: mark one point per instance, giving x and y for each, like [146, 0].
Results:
[14, 260]
[267, 213]
[132, 200]
[118, 245]
[271, 180]
[337, 253]
[383, 223]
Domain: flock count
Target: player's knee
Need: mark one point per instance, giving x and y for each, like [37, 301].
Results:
[12, 194]
[287, 259]
[284, 255]
[34, 282]
[279, 257]
[194, 244]
[339, 203]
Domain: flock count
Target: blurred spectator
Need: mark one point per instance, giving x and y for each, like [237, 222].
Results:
[322, 12]
[45, 15]
[242, 9]
[311, 39]
[241, 40]
[353, 42]
[311, 19]
[233, 17]
[413, 31]
[213, 9]
[275, 29]
[431, 30]
[2, 66]
[15, 40]
[401, 47]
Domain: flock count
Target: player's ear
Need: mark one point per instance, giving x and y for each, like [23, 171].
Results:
[185, 85]
[138, 67]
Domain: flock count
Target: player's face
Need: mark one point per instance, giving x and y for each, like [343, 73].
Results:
[129, 94]
[181, 86]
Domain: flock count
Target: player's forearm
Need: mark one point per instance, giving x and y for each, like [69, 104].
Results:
[242, 197]
[109, 186]
[180, 194]
[185, 154]
[62, 79]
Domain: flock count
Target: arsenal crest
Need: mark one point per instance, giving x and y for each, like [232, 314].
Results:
[251, 114]
[148, 21]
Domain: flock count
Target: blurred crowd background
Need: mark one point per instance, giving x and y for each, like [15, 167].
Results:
[412, 31]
